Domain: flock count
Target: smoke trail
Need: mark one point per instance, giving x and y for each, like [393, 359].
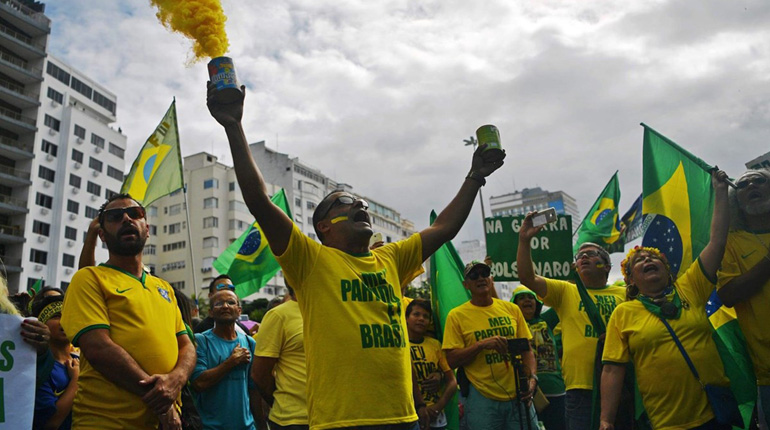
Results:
[203, 21]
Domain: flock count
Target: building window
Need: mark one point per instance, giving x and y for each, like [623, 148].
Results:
[235, 205]
[116, 150]
[153, 230]
[174, 246]
[149, 250]
[55, 95]
[80, 131]
[95, 164]
[174, 228]
[49, 147]
[46, 173]
[91, 212]
[114, 173]
[297, 202]
[236, 224]
[94, 189]
[210, 222]
[311, 205]
[58, 73]
[75, 180]
[73, 206]
[37, 256]
[77, 156]
[109, 193]
[68, 260]
[52, 122]
[81, 87]
[211, 183]
[41, 228]
[210, 203]
[151, 210]
[104, 102]
[172, 266]
[178, 285]
[310, 220]
[175, 209]
[70, 233]
[211, 242]
[97, 140]
[231, 186]
[44, 200]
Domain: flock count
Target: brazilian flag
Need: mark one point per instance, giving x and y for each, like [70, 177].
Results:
[446, 292]
[601, 224]
[249, 261]
[677, 200]
[157, 170]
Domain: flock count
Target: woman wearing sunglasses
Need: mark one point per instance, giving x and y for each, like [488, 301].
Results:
[638, 332]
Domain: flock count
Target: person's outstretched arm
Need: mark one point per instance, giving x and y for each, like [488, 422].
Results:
[711, 256]
[274, 222]
[452, 218]
[88, 253]
[526, 271]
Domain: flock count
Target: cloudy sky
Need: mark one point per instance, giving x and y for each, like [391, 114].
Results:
[380, 95]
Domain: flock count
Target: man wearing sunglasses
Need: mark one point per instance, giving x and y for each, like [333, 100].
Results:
[136, 355]
[476, 339]
[744, 279]
[358, 364]
[220, 283]
[580, 339]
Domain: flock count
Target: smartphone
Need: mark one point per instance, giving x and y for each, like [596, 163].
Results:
[376, 237]
[545, 217]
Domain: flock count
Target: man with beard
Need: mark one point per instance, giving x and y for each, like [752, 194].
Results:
[221, 375]
[744, 279]
[135, 352]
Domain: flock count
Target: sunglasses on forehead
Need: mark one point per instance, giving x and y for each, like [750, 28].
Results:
[116, 215]
[757, 180]
[223, 286]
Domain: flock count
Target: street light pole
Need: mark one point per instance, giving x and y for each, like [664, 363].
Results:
[472, 142]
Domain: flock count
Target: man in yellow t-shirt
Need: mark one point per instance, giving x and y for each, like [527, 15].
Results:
[580, 340]
[135, 352]
[744, 278]
[477, 337]
[279, 365]
[356, 349]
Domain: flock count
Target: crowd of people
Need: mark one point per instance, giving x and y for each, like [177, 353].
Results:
[347, 350]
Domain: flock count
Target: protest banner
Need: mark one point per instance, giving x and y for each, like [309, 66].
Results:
[551, 248]
[17, 376]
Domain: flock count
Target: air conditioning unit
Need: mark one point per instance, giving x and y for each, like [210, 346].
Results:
[79, 140]
[75, 190]
[52, 132]
[47, 184]
[68, 270]
[95, 173]
[98, 149]
[70, 243]
[38, 267]
[44, 211]
[41, 239]
[94, 197]
[76, 165]
[73, 216]
[49, 157]
[54, 103]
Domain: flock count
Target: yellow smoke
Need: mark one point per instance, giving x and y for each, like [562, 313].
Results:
[203, 21]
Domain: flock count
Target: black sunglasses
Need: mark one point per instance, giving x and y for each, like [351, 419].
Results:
[758, 180]
[343, 200]
[481, 272]
[115, 215]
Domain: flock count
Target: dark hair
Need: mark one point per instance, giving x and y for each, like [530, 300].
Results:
[422, 303]
[323, 208]
[120, 196]
[214, 282]
[185, 306]
[289, 289]
[602, 252]
[39, 305]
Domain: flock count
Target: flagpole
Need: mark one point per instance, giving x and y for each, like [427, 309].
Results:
[189, 239]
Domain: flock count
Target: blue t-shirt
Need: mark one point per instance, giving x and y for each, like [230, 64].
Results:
[47, 395]
[225, 405]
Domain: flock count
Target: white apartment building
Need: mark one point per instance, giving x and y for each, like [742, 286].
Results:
[531, 199]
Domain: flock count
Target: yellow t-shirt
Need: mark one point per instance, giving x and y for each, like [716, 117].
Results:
[280, 336]
[672, 396]
[578, 336]
[427, 358]
[358, 366]
[743, 252]
[143, 318]
[467, 324]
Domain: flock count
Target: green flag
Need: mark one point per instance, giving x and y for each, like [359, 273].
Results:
[35, 288]
[601, 225]
[249, 261]
[677, 200]
[157, 170]
[446, 292]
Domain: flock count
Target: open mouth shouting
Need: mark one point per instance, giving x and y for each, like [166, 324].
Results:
[362, 216]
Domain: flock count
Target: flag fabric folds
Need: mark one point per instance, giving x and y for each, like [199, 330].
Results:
[249, 261]
[446, 292]
[601, 224]
[157, 170]
[677, 200]
[631, 227]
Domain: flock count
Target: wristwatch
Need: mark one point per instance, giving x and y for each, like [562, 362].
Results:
[476, 176]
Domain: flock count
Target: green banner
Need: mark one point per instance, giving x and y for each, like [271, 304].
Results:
[551, 248]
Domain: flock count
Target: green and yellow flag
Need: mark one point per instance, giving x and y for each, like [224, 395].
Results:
[35, 288]
[601, 224]
[157, 170]
[249, 261]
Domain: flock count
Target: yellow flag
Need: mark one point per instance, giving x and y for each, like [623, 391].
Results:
[157, 170]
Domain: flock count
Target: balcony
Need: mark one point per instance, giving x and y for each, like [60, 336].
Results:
[11, 234]
[19, 69]
[12, 265]
[16, 122]
[14, 177]
[17, 95]
[25, 18]
[21, 44]
[13, 149]
[12, 206]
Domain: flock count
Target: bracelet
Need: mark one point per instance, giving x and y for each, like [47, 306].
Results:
[476, 176]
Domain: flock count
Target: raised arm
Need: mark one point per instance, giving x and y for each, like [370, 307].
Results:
[526, 271]
[452, 218]
[274, 222]
[712, 254]
[87, 254]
